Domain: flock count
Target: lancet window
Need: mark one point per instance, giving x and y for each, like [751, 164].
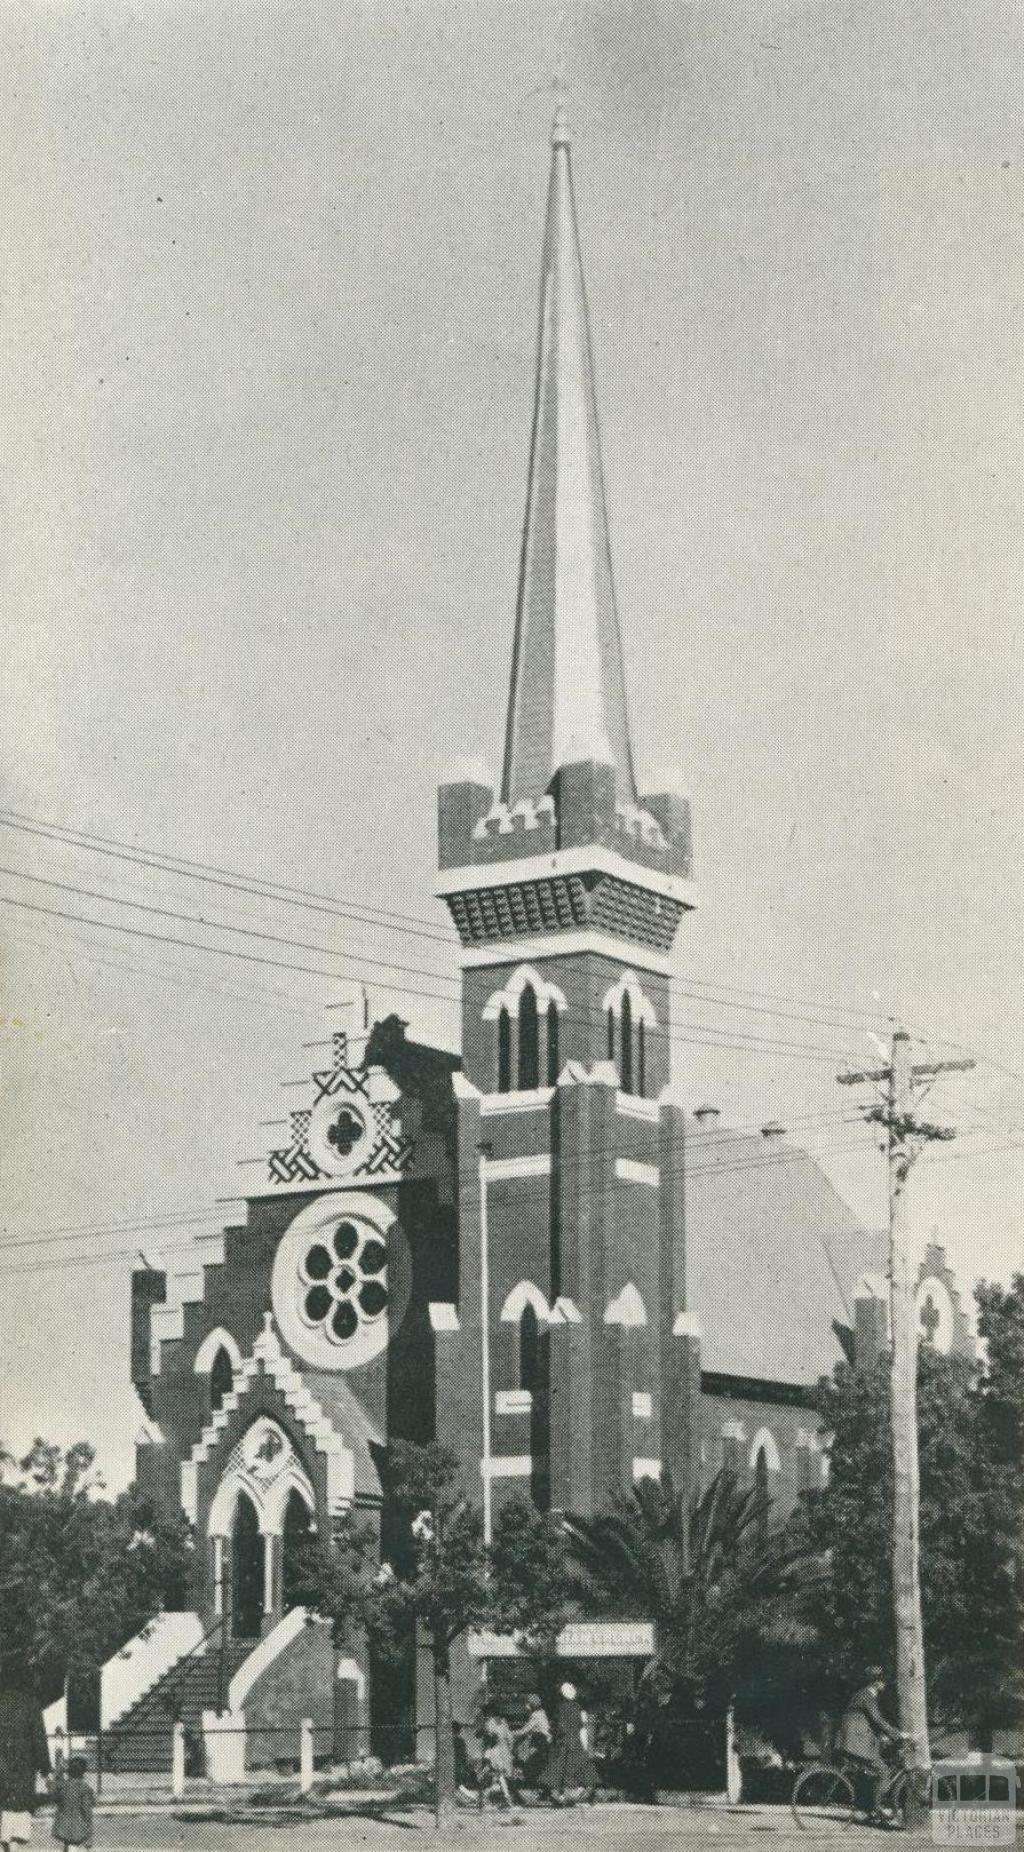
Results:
[630, 1020]
[525, 1016]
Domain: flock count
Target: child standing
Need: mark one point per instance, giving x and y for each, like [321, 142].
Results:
[72, 1822]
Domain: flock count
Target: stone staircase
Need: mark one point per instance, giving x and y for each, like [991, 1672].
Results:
[140, 1741]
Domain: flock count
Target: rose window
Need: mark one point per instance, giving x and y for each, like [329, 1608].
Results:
[343, 1281]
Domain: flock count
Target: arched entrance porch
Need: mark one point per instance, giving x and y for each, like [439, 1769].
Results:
[262, 1516]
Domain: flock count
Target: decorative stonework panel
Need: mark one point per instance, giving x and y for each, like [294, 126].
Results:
[352, 1130]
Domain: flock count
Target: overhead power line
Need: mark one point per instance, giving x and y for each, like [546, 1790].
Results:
[169, 1218]
[729, 1038]
[390, 920]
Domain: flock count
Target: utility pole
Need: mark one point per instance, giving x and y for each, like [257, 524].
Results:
[906, 1137]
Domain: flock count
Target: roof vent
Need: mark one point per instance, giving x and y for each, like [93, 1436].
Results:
[773, 1129]
[706, 1115]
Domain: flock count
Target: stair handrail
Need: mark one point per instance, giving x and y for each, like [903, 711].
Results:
[172, 1677]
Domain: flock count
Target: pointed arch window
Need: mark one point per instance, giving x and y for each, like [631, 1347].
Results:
[529, 1040]
[641, 1058]
[297, 1531]
[552, 1045]
[529, 1350]
[762, 1494]
[611, 1035]
[222, 1376]
[626, 1057]
[504, 1051]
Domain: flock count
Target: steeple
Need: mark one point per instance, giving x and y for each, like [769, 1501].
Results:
[567, 701]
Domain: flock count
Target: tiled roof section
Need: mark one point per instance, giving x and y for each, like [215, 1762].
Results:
[773, 1256]
[567, 702]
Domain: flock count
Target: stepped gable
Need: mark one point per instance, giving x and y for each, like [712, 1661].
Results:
[773, 1257]
[341, 1434]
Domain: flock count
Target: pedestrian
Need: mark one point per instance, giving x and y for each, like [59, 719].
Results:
[533, 1742]
[497, 1758]
[466, 1779]
[24, 1754]
[569, 1773]
[72, 1822]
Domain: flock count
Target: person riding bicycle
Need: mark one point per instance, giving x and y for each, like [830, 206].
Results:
[862, 1733]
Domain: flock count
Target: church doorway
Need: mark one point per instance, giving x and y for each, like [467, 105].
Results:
[247, 1571]
[296, 1532]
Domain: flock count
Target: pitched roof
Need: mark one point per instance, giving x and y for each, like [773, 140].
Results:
[567, 701]
[773, 1255]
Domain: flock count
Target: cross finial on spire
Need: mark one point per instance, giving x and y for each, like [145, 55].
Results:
[561, 134]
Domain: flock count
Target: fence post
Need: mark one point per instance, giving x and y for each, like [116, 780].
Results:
[306, 1755]
[733, 1774]
[178, 1760]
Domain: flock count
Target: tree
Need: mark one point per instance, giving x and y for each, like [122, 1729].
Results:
[722, 1584]
[79, 1574]
[443, 1580]
[970, 1426]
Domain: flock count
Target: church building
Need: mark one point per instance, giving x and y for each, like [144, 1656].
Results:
[536, 1252]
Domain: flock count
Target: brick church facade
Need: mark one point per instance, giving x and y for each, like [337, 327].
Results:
[534, 1252]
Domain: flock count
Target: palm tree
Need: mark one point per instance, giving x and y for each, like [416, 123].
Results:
[724, 1587]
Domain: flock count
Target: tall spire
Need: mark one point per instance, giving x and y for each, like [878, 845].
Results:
[567, 701]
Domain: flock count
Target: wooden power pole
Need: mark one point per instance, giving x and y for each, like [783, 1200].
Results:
[906, 1136]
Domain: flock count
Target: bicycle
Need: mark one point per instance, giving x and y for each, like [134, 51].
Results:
[825, 1792]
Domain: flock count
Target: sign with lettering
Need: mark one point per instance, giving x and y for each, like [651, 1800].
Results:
[579, 1640]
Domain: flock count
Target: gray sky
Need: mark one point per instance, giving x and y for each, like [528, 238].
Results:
[269, 315]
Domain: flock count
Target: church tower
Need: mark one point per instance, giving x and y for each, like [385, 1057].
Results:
[567, 1365]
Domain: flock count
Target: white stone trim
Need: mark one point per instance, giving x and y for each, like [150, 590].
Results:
[507, 1466]
[526, 1293]
[523, 978]
[630, 1171]
[498, 1169]
[130, 1673]
[351, 1673]
[641, 1006]
[513, 1402]
[586, 858]
[564, 945]
[646, 1469]
[566, 1312]
[264, 1655]
[684, 1325]
[268, 1356]
[602, 1074]
[268, 1497]
[734, 1430]
[530, 1100]
[635, 1106]
[185, 1285]
[443, 1316]
[626, 1309]
[317, 1223]
[766, 1439]
[216, 1340]
[464, 1089]
[643, 1405]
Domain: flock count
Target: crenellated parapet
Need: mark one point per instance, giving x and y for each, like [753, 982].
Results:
[580, 808]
